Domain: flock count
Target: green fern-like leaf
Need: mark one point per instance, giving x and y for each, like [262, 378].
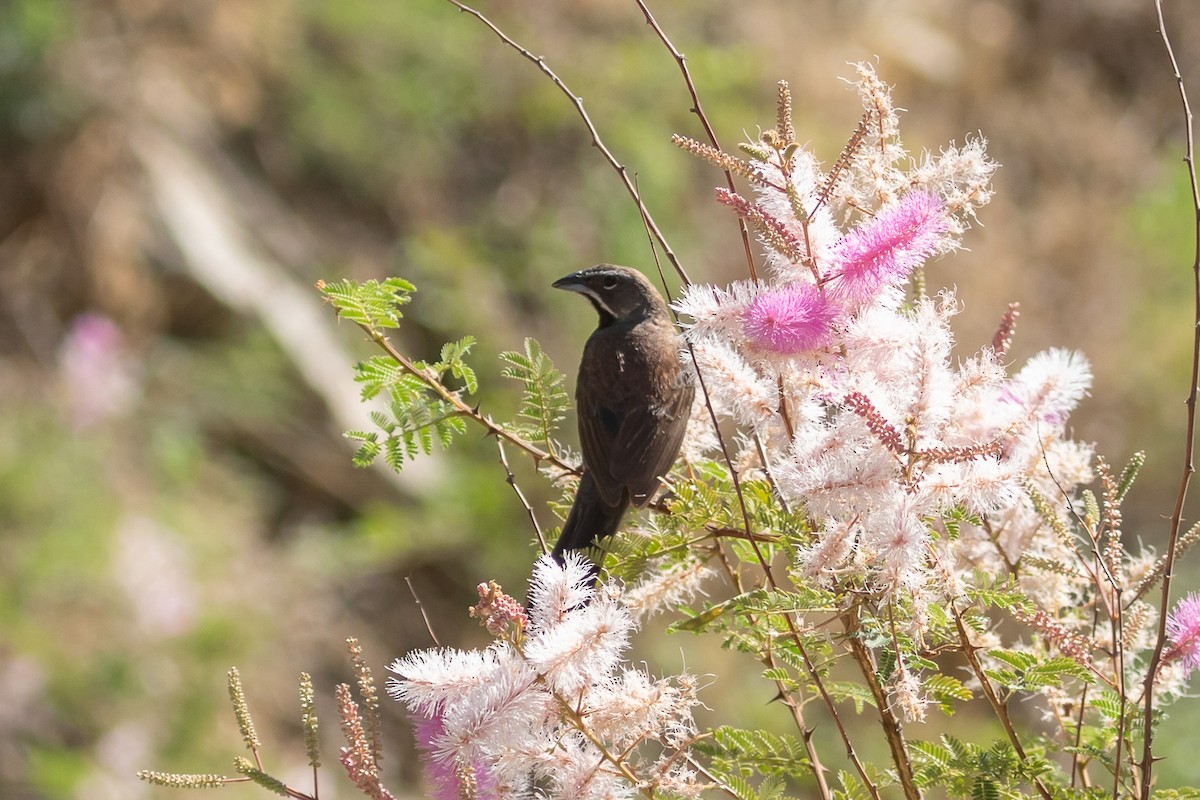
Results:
[999, 760]
[373, 304]
[989, 594]
[1186, 793]
[756, 751]
[740, 787]
[380, 374]
[452, 360]
[944, 690]
[368, 448]
[1029, 672]
[851, 787]
[984, 789]
[544, 401]
[855, 692]
[953, 519]
[964, 754]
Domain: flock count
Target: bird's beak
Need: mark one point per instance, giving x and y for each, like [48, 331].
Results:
[572, 283]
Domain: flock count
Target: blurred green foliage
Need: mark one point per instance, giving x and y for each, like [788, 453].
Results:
[33, 105]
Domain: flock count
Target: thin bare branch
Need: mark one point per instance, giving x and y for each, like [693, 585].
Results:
[989, 692]
[696, 109]
[597, 142]
[512, 481]
[892, 730]
[421, 608]
[1189, 448]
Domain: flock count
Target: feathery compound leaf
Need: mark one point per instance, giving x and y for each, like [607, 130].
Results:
[372, 304]
[1029, 672]
[985, 789]
[953, 519]
[1108, 703]
[944, 689]
[416, 417]
[987, 593]
[930, 753]
[765, 753]
[368, 450]
[544, 401]
[380, 373]
[1185, 793]
[856, 692]
[852, 787]
[452, 361]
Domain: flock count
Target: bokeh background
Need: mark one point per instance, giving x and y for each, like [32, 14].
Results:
[175, 494]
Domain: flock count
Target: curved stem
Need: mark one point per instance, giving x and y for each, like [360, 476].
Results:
[597, 142]
[1147, 759]
[989, 691]
[462, 409]
[892, 730]
[696, 109]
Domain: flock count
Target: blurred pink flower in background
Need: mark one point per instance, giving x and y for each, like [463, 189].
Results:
[98, 373]
[152, 567]
[445, 778]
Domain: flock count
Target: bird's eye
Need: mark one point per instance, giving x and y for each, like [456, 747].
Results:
[610, 282]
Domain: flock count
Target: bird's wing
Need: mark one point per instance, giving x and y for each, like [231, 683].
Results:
[648, 442]
[632, 415]
[599, 427]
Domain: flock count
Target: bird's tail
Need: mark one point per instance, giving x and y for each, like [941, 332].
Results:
[590, 519]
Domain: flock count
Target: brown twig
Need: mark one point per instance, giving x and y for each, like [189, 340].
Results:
[421, 608]
[892, 730]
[512, 481]
[597, 142]
[1147, 759]
[696, 109]
[989, 691]
[716, 781]
[462, 409]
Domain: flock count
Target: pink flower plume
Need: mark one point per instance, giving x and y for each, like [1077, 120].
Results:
[444, 774]
[789, 319]
[882, 251]
[1183, 628]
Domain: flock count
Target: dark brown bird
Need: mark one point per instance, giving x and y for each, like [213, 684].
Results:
[632, 397]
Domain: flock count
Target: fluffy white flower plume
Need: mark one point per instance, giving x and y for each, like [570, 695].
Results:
[554, 590]
[585, 643]
[737, 390]
[551, 703]
[1051, 385]
[431, 677]
[664, 588]
[850, 384]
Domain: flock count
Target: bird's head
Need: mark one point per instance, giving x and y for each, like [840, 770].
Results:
[619, 294]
